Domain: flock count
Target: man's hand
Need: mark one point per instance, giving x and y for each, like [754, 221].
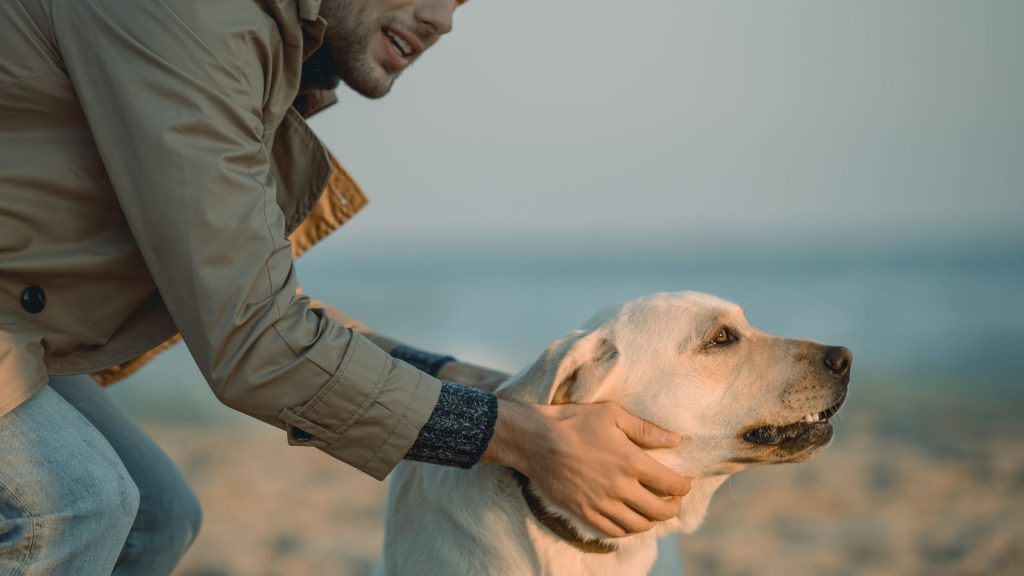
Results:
[472, 375]
[588, 459]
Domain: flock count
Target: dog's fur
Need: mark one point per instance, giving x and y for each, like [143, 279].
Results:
[737, 403]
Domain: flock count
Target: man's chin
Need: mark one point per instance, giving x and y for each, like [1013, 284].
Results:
[373, 89]
[368, 79]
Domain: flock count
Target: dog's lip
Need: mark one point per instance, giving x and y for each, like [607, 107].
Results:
[776, 435]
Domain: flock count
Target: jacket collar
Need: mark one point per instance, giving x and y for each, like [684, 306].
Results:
[309, 9]
[299, 21]
[302, 35]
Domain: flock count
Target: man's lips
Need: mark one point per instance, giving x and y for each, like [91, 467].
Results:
[390, 57]
[407, 45]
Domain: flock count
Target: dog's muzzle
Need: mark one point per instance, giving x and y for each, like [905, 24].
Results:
[816, 424]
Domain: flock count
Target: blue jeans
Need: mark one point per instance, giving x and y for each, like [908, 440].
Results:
[84, 491]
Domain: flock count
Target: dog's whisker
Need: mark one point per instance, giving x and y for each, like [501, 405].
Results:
[732, 491]
[840, 423]
[803, 472]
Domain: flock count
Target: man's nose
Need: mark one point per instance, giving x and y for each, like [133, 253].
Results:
[436, 15]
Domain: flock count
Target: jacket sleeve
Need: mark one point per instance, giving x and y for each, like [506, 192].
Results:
[174, 97]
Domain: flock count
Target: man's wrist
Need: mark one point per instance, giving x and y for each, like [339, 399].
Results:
[513, 432]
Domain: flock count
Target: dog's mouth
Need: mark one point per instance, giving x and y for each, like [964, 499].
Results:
[814, 427]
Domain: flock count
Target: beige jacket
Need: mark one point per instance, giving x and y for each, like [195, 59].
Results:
[153, 176]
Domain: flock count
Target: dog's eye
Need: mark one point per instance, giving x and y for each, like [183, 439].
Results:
[722, 337]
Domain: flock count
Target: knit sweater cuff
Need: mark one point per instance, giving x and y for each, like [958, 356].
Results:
[459, 429]
[426, 361]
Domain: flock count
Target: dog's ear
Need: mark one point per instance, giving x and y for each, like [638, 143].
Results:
[571, 366]
[588, 361]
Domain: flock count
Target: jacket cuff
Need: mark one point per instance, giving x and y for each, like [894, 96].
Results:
[370, 393]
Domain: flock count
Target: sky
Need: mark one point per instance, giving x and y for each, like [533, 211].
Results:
[803, 120]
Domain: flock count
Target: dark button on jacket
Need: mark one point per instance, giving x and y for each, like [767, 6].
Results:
[301, 435]
[33, 299]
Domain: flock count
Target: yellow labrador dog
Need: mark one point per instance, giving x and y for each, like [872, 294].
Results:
[688, 362]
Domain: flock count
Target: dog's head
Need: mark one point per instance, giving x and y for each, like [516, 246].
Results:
[691, 363]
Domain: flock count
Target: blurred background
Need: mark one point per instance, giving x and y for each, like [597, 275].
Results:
[850, 172]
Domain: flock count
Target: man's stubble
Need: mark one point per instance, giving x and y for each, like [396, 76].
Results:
[349, 32]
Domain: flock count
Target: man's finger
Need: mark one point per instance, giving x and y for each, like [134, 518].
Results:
[662, 481]
[645, 434]
[631, 521]
[653, 507]
[606, 526]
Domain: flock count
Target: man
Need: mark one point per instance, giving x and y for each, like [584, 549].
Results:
[156, 177]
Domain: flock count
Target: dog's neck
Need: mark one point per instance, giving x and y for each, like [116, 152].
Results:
[560, 526]
[527, 386]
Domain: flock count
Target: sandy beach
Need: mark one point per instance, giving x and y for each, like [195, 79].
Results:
[929, 486]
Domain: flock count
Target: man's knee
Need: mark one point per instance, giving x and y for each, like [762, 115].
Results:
[182, 517]
[100, 495]
[62, 481]
[167, 524]
[68, 515]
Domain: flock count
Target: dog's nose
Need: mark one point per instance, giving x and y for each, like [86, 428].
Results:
[838, 359]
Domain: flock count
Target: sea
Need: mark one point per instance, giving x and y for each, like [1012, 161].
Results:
[925, 320]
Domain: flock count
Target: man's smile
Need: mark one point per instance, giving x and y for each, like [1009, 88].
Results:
[373, 41]
[401, 48]
[404, 46]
